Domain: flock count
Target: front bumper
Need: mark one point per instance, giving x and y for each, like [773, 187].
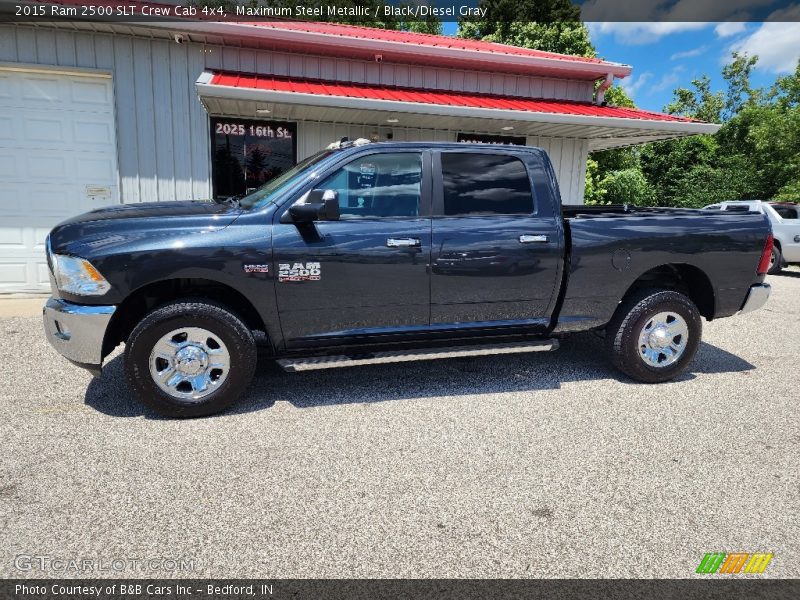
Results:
[77, 331]
[756, 297]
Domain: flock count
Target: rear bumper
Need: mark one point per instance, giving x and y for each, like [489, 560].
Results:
[77, 331]
[756, 297]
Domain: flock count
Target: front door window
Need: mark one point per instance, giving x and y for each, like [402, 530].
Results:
[378, 185]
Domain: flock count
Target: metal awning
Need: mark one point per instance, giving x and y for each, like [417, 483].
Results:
[242, 94]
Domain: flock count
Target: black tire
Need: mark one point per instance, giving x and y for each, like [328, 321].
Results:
[630, 320]
[238, 342]
[776, 261]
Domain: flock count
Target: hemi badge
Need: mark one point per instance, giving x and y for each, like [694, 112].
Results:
[256, 268]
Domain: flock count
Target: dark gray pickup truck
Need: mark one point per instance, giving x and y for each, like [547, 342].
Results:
[382, 252]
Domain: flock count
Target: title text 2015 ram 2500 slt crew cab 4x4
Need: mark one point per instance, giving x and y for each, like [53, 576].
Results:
[379, 252]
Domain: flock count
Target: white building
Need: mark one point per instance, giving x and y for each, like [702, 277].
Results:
[93, 114]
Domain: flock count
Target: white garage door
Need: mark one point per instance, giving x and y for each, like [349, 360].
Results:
[58, 158]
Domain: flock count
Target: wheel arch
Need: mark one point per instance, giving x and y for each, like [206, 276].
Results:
[154, 294]
[681, 277]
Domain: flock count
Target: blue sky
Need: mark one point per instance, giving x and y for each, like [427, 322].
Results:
[666, 55]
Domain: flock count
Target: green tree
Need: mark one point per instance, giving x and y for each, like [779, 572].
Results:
[737, 75]
[698, 103]
[594, 192]
[790, 192]
[621, 158]
[628, 186]
[549, 25]
[617, 96]
[429, 24]
[756, 153]
[665, 164]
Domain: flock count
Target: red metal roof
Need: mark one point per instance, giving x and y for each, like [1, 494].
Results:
[419, 39]
[331, 39]
[436, 97]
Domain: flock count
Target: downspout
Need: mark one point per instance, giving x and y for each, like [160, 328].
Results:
[599, 98]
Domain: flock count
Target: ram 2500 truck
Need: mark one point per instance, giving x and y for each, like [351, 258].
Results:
[380, 252]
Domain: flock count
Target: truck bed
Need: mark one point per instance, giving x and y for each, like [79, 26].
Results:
[611, 248]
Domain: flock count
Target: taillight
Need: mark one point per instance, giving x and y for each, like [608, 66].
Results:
[766, 255]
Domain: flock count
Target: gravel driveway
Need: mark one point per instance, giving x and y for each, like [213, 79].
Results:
[542, 465]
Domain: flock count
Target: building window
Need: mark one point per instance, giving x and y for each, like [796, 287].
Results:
[485, 184]
[247, 153]
[479, 138]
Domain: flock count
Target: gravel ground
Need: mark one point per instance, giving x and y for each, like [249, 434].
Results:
[542, 465]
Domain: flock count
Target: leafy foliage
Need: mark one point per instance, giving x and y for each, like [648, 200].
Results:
[549, 25]
[755, 155]
[617, 96]
[594, 192]
[628, 186]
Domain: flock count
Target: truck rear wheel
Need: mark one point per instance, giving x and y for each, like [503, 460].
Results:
[775, 261]
[654, 335]
[190, 359]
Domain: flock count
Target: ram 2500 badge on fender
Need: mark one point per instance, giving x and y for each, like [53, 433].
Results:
[380, 252]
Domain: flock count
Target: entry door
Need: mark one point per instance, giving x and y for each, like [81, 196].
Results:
[496, 253]
[57, 159]
[366, 274]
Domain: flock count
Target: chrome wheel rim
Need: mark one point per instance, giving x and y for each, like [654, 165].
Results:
[772, 258]
[189, 363]
[663, 339]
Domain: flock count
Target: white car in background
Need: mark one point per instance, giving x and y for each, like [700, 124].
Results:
[785, 220]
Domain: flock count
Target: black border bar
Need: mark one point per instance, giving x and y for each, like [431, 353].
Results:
[714, 587]
[708, 11]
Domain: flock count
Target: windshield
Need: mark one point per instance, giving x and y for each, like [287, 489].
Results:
[267, 192]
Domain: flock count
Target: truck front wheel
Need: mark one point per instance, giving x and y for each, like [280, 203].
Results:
[190, 359]
[654, 335]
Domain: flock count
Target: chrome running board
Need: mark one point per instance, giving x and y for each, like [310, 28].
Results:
[291, 365]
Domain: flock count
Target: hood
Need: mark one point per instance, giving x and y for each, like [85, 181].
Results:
[158, 210]
[106, 229]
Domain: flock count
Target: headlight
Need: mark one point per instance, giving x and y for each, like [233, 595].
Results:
[77, 276]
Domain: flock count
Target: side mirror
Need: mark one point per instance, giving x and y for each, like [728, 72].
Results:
[321, 205]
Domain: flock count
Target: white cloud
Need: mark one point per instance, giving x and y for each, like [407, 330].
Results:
[633, 84]
[729, 28]
[643, 32]
[774, 42]
[689, 53]
[645, 84]
[667, 81]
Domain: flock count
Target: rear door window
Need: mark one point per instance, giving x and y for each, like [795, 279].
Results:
[786, 212]
[485, 184]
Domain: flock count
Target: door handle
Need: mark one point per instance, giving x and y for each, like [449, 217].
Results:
[533, 239]
[403, 243]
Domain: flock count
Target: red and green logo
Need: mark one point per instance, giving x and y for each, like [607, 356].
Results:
[735, 562]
